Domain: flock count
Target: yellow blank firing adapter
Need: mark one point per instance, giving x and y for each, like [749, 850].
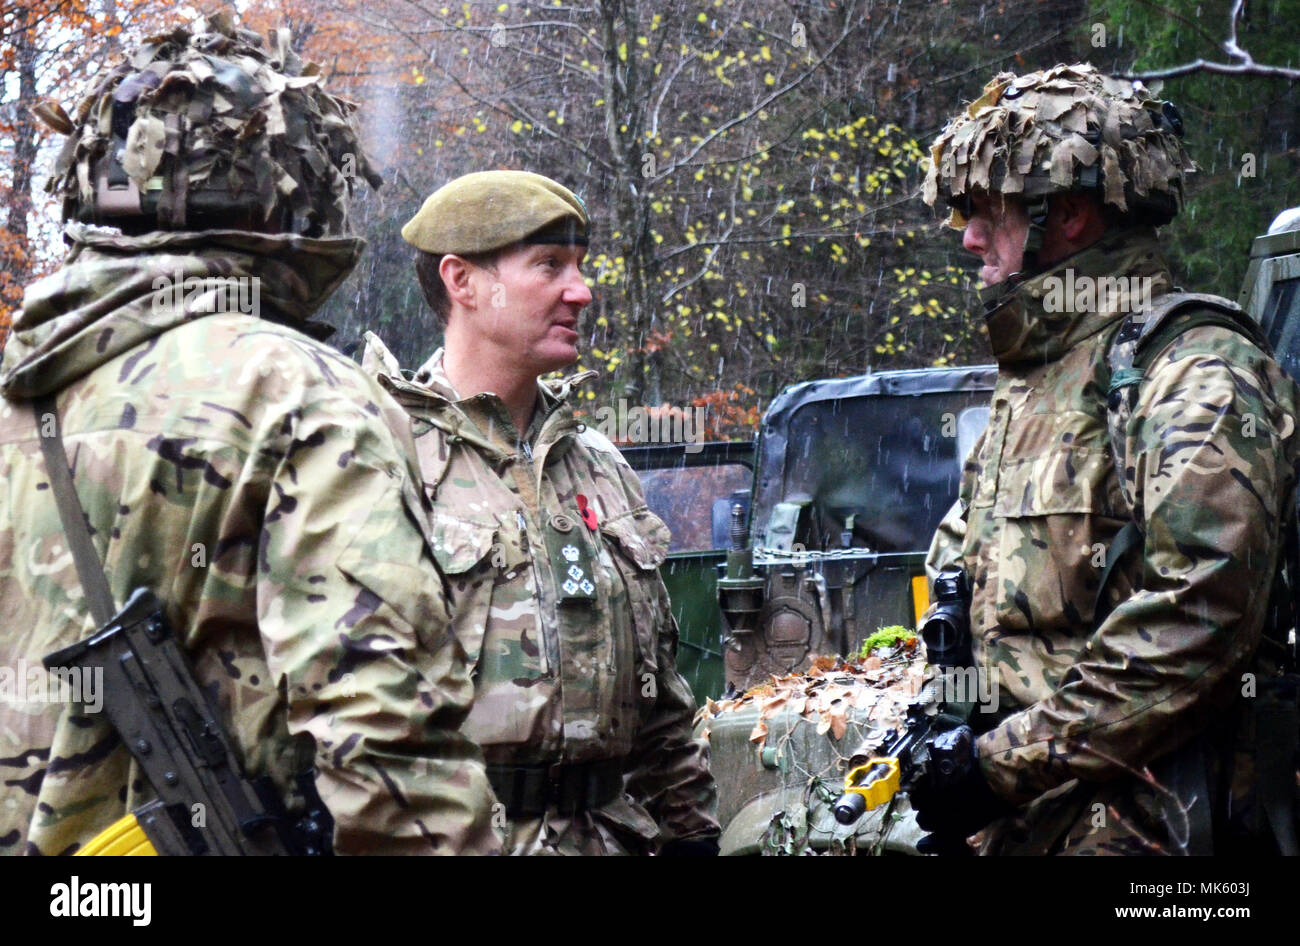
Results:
[123, 838]
[867, 787]
[875, 789]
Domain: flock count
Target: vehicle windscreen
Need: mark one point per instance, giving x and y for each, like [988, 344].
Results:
[882, 466]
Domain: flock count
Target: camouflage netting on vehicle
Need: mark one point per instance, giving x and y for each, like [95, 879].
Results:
[1062, 129]
[781, 750]
[831, 690]
[210, 129]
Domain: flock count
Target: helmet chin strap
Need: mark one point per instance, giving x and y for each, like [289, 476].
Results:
[1037, 210]
[994, 297]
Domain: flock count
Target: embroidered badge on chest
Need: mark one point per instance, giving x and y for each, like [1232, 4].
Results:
[570, 561]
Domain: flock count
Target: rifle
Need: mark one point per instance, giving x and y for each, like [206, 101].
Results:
[205, 804]
[927, 741]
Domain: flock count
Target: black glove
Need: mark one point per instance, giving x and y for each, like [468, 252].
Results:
[954, 801]
[693, 847]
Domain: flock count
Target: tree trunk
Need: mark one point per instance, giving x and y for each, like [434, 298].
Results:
[16, 249]
[626, 101]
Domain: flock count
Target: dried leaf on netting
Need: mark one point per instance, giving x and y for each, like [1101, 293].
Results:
[839, 721]
[770, 706]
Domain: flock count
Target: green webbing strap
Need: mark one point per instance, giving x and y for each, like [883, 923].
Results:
[1126, 540]
[99, 596]
[1123, 378]
[1234, 320]
[1034, 236]
[1171, 326]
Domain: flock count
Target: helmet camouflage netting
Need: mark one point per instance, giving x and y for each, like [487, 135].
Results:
[210, 129]
[1065, 128]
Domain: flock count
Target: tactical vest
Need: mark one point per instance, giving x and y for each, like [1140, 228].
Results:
[1142, 337]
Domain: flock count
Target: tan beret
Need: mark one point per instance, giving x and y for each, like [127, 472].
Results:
[488, 210]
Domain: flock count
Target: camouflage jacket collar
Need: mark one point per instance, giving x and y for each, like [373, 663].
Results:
[553, 419]
[432, 375]
[116, 291]
[1042, 318]
[430, 394]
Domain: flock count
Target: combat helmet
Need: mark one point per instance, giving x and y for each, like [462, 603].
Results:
[210, 129]
[1068, 128]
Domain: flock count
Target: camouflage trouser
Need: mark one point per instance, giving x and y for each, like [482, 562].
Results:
[1123, 818]
[1166, 810]
[1201, 799]
[615, 829]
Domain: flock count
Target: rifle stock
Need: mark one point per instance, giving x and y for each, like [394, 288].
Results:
[205, 804]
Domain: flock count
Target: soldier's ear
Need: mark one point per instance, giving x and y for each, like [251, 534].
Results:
[455, 273]
[1080, 216]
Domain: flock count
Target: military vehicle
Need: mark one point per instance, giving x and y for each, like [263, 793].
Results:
[850, 479]
[853, 476]
[692, 487]
[1271, 290]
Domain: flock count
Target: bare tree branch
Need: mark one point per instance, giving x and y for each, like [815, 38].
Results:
[1245, 64]
[761, 105]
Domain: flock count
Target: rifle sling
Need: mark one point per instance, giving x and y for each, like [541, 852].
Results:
[1126, 540]
[89, 568]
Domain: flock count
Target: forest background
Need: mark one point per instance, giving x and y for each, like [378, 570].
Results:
[751, 166]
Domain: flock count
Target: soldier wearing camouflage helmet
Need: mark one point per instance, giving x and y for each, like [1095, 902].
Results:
[255, 480]
[1180, 465]
[547, 550]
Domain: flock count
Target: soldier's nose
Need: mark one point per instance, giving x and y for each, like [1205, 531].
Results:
[577, 293]
[975, 237]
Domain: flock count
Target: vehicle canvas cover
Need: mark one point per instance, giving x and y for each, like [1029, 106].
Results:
[883, 448]
[853, 477]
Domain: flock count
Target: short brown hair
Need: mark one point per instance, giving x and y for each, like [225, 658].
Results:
[430, 280]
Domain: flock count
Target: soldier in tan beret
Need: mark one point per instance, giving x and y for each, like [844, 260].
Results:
[547, 550]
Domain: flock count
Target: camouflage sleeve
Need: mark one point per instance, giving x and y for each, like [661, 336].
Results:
[945, 547]
[356, 630]
[1207, 448]
[669, 772]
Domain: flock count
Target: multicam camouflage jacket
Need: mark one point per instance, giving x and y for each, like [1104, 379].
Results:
[1210, 448]
[261, 485]
[562, 611]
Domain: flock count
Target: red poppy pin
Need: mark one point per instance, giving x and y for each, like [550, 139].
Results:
[587, 513]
